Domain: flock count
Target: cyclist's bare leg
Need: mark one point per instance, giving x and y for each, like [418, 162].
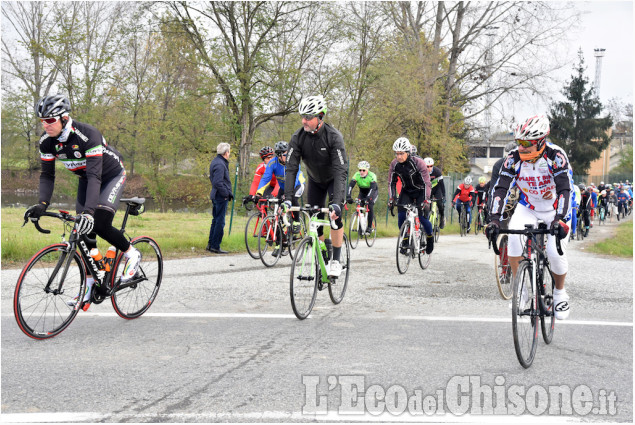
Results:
[513, 262]
[559, 280]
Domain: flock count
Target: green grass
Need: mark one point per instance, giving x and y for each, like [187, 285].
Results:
[178, 234]
[620, 245]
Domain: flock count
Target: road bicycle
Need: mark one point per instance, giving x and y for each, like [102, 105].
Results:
[411, 241]
[253, 224]
[435, 220]
[611, 211]
[479, 220]
[532, 292]
[501, 261]
[463, 223]
[581, 229]
[42, 301]
[276, 237]
[359, 225]
[601, 215]
[308, 271]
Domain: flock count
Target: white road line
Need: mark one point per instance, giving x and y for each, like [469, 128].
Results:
[276, 415]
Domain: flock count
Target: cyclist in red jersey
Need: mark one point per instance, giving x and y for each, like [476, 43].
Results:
[266, 154]
[464, 197]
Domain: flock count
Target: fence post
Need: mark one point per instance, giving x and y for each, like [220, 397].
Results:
[231, 218]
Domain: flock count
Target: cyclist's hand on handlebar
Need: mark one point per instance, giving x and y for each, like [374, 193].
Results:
[559, 228]
[349, 200]
[391, 203]
[492, 230]
[84, 223]
[285, 206]
[34, 212]
[336, 211]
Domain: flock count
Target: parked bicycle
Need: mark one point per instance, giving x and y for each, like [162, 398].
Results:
[253, 225]
[277, 237]
[412, 240]
[359, 225]
[308, 271]
[57, 273]
[532, 292]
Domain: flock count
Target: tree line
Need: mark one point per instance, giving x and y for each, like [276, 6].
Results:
[165, 82]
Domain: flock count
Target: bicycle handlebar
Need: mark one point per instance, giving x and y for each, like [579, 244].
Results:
[312, 210]
[62, 215]
[527, 232]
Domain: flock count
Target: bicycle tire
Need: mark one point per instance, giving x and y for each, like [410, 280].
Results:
[252, 235]
[272, 235]
[131, 299]
[353, 231]
[403, 253]
[524, 323]
[424, 258]
[42, 315]
[547, 323]
[462, 221]
[337, 289]
[503, 270]
[305, 267]
[370, 239]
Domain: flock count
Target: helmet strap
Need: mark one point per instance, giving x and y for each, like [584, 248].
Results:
[321, 122]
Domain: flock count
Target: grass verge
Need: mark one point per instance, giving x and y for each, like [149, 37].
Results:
[620, 244]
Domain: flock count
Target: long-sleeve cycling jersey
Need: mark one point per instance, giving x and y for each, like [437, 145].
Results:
[464, 193]
[367, 183]
[623, 197]
[545, 184]
[324, 157]
[413, 174]
[481, 192]
[436, 183]
[86, 153]
[255, 183]
[276, 171]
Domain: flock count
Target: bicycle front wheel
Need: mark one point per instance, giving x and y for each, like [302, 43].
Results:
[403, 248]
[463, 222]
[296, 237]
[424, 257]
[370, 238]
[304, 279]
[503, 270]
[41, 300]
[270, 244]
[133, 298]
[353, 231]
[252, 235]
[337, 286]
[524, 316]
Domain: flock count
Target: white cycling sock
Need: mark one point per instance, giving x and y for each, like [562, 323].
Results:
[559, 291]
[89, 286]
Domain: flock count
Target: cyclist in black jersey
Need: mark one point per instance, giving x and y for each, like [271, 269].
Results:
[102, 176]
[438, 188]
[321, 147]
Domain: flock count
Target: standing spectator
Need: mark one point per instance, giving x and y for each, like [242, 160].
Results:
[221, 195]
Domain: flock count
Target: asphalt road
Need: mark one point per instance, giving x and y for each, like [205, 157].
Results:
[221, 344]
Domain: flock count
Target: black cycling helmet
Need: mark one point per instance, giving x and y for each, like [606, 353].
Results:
[281, 147]
[266, 152]
[53, 106]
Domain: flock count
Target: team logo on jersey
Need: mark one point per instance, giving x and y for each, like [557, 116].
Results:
[78, 154]
[59, 147]
[547, 195]
[62, 156]
[75, 147]
[560, 160]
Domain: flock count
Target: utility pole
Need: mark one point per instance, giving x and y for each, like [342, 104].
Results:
[488, 95]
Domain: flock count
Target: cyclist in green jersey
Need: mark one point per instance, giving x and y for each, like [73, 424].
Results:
[368, 190]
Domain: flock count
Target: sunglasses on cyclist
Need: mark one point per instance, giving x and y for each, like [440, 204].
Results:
[50, 120]
[308, 117]
[528, 143]
[361, 170]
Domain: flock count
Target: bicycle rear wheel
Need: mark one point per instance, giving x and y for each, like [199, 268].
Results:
[252, 235]
[43, 312]
[133, 298]
[337, 287]
[304, 279]
[503, 270]
[547, 323]
[524, 316]
[353, 231]
[270, 244]
[403, 248]
[370, 239]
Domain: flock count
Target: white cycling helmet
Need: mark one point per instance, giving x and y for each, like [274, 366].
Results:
[468, 181]
[363, 165]
[428, 161]
[533, 128]
[401, 145]
[312, 105]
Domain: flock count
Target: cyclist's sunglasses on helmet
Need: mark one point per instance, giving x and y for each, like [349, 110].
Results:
[49, 120]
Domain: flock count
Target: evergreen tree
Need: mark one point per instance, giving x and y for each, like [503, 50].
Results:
[576, 125]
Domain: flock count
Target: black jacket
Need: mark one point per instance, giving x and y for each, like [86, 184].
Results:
[219, 176]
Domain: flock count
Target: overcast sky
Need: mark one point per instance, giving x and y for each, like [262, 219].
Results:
[605, 24]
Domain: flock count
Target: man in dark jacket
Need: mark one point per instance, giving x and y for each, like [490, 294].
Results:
[220, 195]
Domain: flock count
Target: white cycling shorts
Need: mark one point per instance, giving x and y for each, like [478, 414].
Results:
[523, 215]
